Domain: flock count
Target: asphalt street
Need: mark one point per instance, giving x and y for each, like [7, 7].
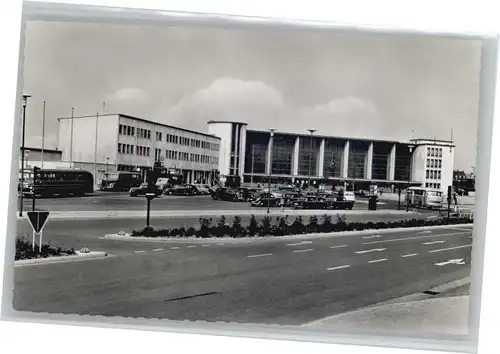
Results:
[122, 201]
[272, 281]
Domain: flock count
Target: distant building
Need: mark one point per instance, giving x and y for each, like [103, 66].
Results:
[33, 157]
[118, 142]
[331, 160]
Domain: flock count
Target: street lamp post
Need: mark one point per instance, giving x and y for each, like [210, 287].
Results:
[271, 135]
[310, 155]
[25, 103]
[410, 149]
[107, 164]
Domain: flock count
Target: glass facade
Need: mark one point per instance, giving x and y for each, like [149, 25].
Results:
[402, 165]
[308, 157]
[256, 152]
[234, 168]
[282, 150]
[334, 152]
[380, 161]
[358, 152]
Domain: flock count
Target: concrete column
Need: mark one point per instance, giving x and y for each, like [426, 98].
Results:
[295, 157]
[269, 155]
[243, 145]
[345, 160]
[392, 164]
[369, 162]
[321, 158]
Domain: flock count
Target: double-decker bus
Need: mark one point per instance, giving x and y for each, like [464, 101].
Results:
[51, 182]
[120, 181]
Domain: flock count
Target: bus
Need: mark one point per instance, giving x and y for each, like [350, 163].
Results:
[425, 197]
[120, 181]
[51, 182]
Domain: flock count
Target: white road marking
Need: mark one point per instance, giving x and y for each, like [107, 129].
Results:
[220, 244]
[192, 246]
[372, 250]
[378, 260]
[260, 255]
[341, 246]
[414, 238]
[139, 251]
[339, 267]
[307, 250]
[299, 243]
[432, 242]
[409, 255]
[424, 232]
[157, 249]
[371, 236]
[449, 249]
[451, 261]
[175, 248]
[205, 246]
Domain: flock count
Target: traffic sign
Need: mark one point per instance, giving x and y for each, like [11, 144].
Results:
[38, 219]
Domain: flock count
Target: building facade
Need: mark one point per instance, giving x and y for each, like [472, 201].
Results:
[118, 142]
[293, 158]
[46, 158]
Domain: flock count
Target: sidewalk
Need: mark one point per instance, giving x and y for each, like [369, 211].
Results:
[124, 214]
[423, 315]
[434, 317]
[462, 201]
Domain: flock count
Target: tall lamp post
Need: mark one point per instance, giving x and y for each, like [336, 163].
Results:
[310, 155]
[271, 136]
[25, 103]
[410, 149]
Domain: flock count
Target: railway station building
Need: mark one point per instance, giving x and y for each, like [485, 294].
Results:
[290, 158]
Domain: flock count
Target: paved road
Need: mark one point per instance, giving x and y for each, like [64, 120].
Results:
[121, 201]
[79, 233]
[271, 281]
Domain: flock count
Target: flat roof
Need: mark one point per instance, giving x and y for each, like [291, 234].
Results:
[328, 136]
[145, 121]
[40, 150]
[225, 122]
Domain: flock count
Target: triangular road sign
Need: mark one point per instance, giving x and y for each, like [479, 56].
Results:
[38, 219]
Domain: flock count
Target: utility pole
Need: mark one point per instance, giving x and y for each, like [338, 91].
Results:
[271, 135]
[310, 156]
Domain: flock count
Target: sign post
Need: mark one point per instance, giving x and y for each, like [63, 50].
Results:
[449, 201]
[38, 219]
[150, 194]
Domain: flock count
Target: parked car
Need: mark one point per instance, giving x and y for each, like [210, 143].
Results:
[202, 189]
[310, 202]
[349, 196]
[142, 190]
[178, 190]
[227, 194]
[161, 183]
[265, 198]
[338, 202]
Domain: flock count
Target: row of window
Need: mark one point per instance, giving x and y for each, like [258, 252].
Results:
[433, 185]
[434, 163]
[169, 154]
[169, 138]
[432, 174]
[435, 152]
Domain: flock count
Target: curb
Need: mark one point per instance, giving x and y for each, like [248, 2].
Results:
[200, 213]
[412, 298]
[61, 259]
[127, 237]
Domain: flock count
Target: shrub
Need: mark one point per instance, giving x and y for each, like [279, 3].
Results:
[326, 224]
[280, 228]
[205, 228]
[221, 229]
[253, 226]
[24, 250]
[313, 226]
[297, 226]
[237, 230]
[265, 226]
[191, 231]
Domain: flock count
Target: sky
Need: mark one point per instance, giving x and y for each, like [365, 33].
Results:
[342, 84]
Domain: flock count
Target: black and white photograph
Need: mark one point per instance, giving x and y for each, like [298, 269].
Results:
[321, 179]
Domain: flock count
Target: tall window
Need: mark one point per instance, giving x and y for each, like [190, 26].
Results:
[358, 152]
[308, 157]
[282, 154]
[334, 150]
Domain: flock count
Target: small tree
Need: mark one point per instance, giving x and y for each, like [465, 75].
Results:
[237, 230]
[253, 226]
[265, 226]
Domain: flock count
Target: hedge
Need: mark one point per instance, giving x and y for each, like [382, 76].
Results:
[24, 250]
[281, 226]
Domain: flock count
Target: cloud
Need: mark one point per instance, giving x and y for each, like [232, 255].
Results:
[127, 94]
[263, 106]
